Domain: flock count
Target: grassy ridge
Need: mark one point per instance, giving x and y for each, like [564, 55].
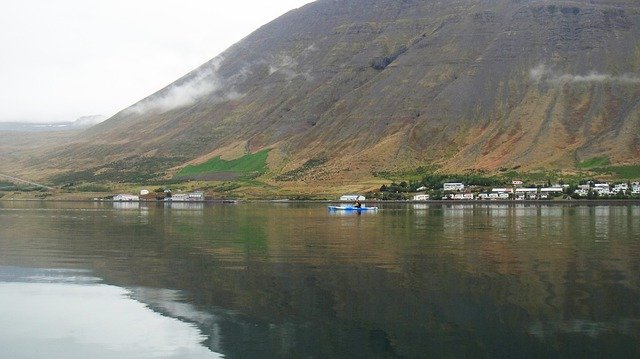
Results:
[251, 163]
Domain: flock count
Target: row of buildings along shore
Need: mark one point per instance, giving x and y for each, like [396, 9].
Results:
[458, 191]
[452, 191]
[146, 195]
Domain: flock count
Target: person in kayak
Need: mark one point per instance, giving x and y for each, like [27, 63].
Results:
[357, 204]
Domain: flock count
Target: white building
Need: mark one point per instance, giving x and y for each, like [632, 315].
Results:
[602, 189]
[551, 190]
[463, 196]
[125, 198]
[527, 190]
[421, 197]
[556, 189]
[526, 193]
[581, 192]
[502, 190]
[351, 198]
[496, 194]
[186, 197]
[196, 196]
[178, 197]
[620, 187]
[453, 186]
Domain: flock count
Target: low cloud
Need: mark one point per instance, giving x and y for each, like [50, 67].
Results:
[287, 66]
[180, 95]
[543, 73]
[205, 82]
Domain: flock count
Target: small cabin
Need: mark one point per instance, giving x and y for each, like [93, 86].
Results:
[421, 197]
[453, 187]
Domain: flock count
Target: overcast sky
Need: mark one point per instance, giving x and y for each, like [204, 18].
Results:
[63, 59]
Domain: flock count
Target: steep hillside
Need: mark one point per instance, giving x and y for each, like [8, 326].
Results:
[369, 85]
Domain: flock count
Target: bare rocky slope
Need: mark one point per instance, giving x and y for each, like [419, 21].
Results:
[372, 85]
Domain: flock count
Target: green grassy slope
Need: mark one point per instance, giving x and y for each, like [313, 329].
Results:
[253, 163]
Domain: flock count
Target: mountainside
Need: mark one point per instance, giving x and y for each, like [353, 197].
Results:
[340, 88]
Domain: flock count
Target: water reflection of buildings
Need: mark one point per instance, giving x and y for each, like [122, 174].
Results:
[508, 220]
[126, 205]
[601, 219]
[129, 212]
[598, 223]
[420, 206]
[454, 219]
[467, 219]
[190, 206]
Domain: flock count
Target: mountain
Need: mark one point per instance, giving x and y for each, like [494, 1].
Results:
[79, 124]
[340, 89]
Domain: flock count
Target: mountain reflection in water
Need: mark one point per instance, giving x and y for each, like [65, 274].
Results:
[52, 313]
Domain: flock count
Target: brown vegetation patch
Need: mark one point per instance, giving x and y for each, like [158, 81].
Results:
[492, 143]
[635, 146]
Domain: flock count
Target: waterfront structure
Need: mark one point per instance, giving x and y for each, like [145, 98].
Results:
[197, 196]
[450, 187]
[125, 198]
[602, 189]
[421, 197]
[463, 196]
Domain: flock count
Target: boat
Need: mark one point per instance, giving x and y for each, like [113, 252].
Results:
[352, 208]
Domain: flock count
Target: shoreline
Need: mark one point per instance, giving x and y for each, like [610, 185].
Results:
[324, 201]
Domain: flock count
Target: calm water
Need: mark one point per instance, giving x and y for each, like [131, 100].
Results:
[295, 281]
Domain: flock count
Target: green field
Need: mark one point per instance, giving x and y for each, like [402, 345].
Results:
[595, 162]
[248, 164]
[621, 172]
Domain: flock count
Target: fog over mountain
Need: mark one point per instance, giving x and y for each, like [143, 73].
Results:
[372, 85]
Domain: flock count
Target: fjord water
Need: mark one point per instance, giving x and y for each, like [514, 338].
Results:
[277, 280]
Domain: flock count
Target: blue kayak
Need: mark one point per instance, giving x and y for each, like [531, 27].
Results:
[351, 208]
